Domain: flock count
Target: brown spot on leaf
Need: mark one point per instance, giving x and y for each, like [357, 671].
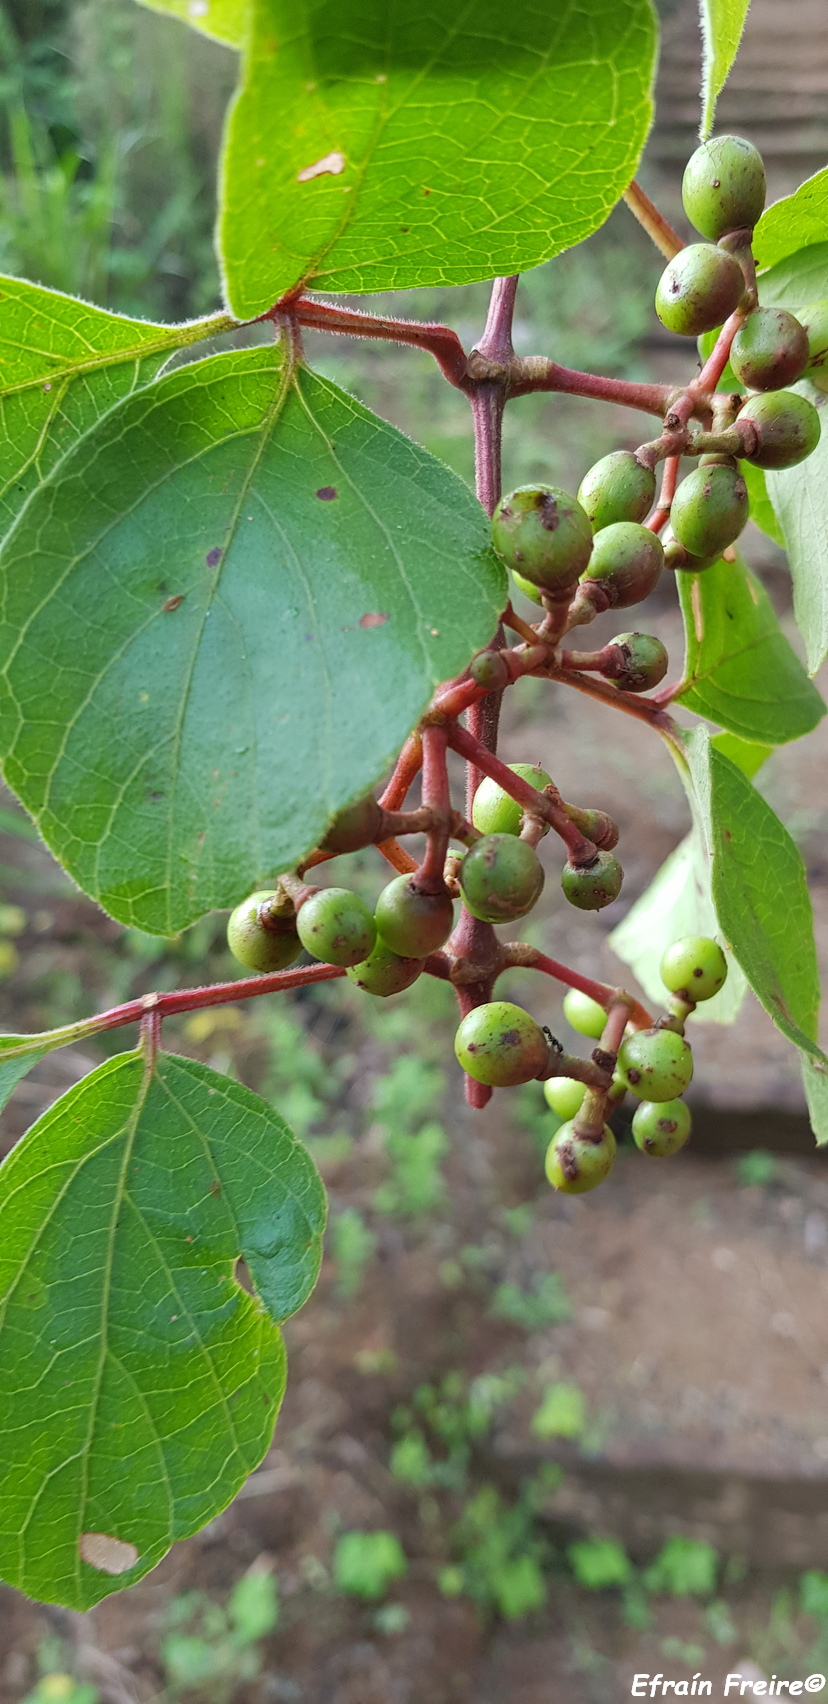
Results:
[213, 557]
[108, 1555]
[327, 493]
[173, 603]
[330, 165]
[374, 618]
[215, 1188]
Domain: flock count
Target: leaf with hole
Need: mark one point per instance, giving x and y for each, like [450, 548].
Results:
[395, 145]
[139, 1382]
[247, 587]
[759, 890]
[63, 364]
[739, 669]
[722, 23]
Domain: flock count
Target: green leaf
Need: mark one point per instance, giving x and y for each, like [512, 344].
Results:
[798, 280]
[722, 23]
[139, 1383]
[392, 145]
[800, 500]
[795, 222]
[220, 618]
[759, 890]
[739, 669]
[224, 20]
[62, 365]
[815, 1084]
[762, 511]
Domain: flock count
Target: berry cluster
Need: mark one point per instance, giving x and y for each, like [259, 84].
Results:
[575, 557]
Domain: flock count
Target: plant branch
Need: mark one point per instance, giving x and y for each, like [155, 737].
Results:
[581, 850]
[522, 957]
[527, 373]
[653, 222]
[644, 709]
[438, 340]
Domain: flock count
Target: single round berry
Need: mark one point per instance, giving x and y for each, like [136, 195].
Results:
[814, 319]
[574, 1165]
[385, 972]
[660, 1128]
[786, 427]
[585, 1015]
[412, 923]
[489, 669]
[656, 1064]
[699, 289]
[564, 1095]
[499, 1044]
[723, 188]
[356, 826]
[259, 938]
[641, 662]
[494, 812]
[544, 534]
[527, 588]
[500, 878]
[677, 558]
[626, 562]
[694, 968]
[618, 488]
[335, 925]
[592, 886]
[770, 350]
[710, 508]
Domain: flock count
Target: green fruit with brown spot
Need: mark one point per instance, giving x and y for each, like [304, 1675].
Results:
[590, 887]
[781, 428]
[259, 938]
[723, 188]
[336, 926]
[499, 1044]
[710, 508]
[574, 1165]
[641, 662]
[656, 1064]
[413, 924]
[770, 350]
[695, 968]
[501, 878]
[385, 973]
[661, 1128]
[626, 563]
[699, 289]
[542, 533]
[618, 488]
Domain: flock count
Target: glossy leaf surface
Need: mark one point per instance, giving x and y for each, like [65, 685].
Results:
[759, 890]
[740, 670]
[62, 365]
[139, 1383]
[390, 145]
[220, 619]
[722, 23]
[796, 222]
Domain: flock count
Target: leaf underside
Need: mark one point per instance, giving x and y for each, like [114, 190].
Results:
[405, 145]
[739, 668]
[219, 619]
[139, 1383]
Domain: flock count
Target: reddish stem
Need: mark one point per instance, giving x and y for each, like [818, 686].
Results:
[532, 959]
[396, 855]
[581, 850]
[437, 796]
[644, 709]
[653, 222]
[406, 769]
[669, 480]
[438, 340]
[536, 373]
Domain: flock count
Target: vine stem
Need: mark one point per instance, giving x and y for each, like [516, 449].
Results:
[653, 222]
[437, 797]
[438, 340]
[581, 850]
[521, 957]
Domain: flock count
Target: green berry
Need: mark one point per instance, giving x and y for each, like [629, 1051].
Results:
[770, 350]
[527, 588]
[335, 925]
[499, 1044]
[592, 886]
[354, 827]
[564, 1095]
[494, 812]
[585, 1015]
[656, 1064]
[660, 1128]
[618, 488]
[710, 508]
[412, 923]
[489, 669]
[501, 878]
[641, 662]
[814, 319]
[385, 972]
[574, 1165]
[676, 557]
[724, 186]
[694, 968]
[699, 289]
[786, 428]
[544, 534]
[626, 562]
[259, 938]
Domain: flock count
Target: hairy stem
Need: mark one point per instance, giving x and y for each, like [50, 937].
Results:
[438, 340]
[653, 222]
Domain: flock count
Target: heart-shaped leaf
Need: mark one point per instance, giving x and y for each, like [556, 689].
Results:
[387, 145]
[739, 669]
[139, 1383]
[220, 618]
[62, 365]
